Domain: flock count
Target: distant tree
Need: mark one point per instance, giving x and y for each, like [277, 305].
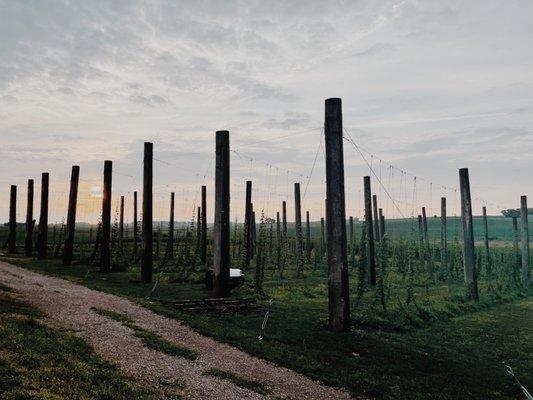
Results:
[515, 212]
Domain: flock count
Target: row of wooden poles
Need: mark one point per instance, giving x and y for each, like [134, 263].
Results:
[335, 222]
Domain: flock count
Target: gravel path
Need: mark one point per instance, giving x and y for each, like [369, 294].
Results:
[68, 306]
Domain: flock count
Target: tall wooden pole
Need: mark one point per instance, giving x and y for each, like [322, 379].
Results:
[284, 219]
[486, 240]
[105, 235]
[248, 235]
[338, 287]
[28, 243]
[517, 260]
[421, 233]
[468, 236]
[443, 236]
[426, 241]
[377, 235]
[221, 234]
[121, 225]
[12, 242]
[298, 227]
[170, 244]
[68, 248]
[381, 224]
[42, 236]
[135, 225]
[351, 239]
[203, 245]
[307, 236]
[370, 271]
[525, 241]
[147, 217]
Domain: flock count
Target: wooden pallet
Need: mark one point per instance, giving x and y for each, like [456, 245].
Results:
[219, 305]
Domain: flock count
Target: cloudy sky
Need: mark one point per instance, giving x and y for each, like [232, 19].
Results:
[428, 87]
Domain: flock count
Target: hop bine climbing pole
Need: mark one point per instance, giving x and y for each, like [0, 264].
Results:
[468, 236]
[147, 217]
[42, 238]
[338, 287]
[12, 239]
[68, 247]
[105, 234]
[221, 234]
[30, 222]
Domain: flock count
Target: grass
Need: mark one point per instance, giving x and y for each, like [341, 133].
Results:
[149, 339]
[442, 348]
[37, 362]
[244, 383]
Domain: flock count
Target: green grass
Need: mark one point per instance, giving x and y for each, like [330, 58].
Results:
[442, 347]
[149, 339]
[37, 362]
[244, 383]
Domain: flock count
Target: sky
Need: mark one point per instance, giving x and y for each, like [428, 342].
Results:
[427, 87]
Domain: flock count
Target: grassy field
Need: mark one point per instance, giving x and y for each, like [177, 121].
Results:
[439, 347]
[37, 362]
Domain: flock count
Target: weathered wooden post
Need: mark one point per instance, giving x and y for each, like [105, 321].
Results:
[279, 244]
[429, 257]
[68, 248]
[421, 233]
[121, 225]
[468, 236]
[135, 225]
[147, 220]
[377, 235]
[381, 224]
[443, 236]
[221, 234]
[170, 243]
[486, 240]
[42, 235]
[351, 239]
[248, 235]
[517, 260]
[525, 241]
[322, 235]
[307, 236]
[284, 219]
[28, 242]
[105, 234]
[370, 271]
[298, 227]
[338, 287]
[203, 245]
[12, 241]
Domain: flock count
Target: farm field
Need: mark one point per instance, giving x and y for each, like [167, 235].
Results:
[410, 338]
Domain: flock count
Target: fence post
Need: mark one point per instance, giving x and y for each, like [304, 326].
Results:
[298, 227]
[221, 234]
[443, 236]
[203, 248]
[42, 235]
[338, 286]
[486, 240]
[30, 222]
[468, 236]
[135, 226]
[68, 248]
[525, 241]
[147, 217]
[105, 235]
[248, 236]
[12, 241]
[370, 271]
